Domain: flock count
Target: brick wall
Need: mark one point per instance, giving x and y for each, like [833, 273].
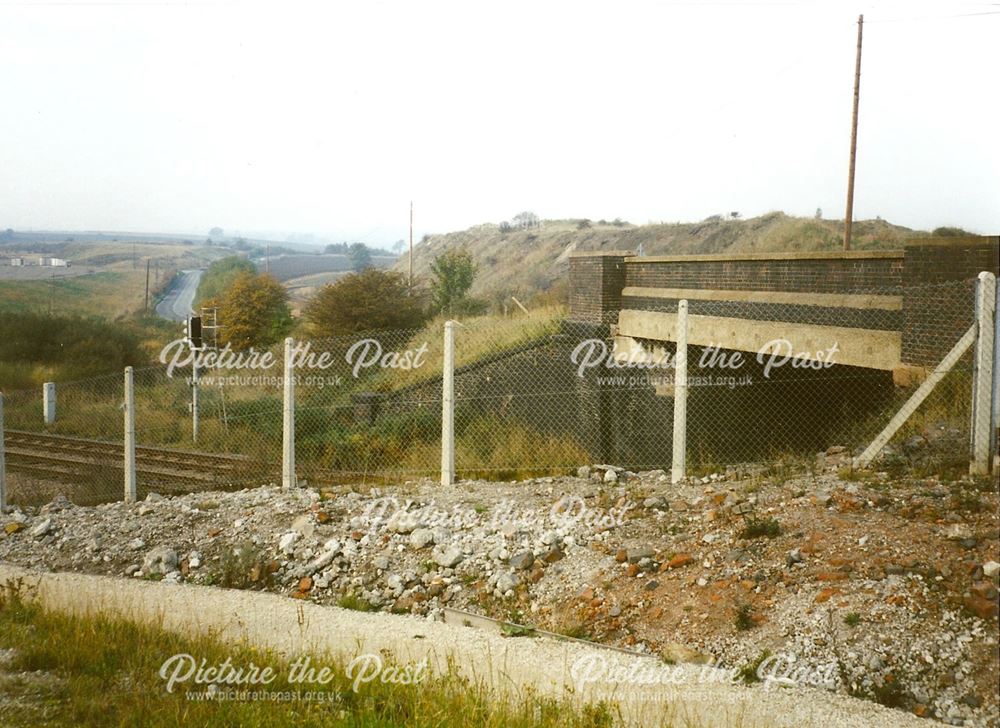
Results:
[828, 274]
[939, 298]
[596, 281]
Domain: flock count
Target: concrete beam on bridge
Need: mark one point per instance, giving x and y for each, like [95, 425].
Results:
[873, 349]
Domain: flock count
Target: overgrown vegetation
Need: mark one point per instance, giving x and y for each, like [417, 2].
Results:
[453, 273]
[36, 348]
[219, 276]
[94, 670]
[369, 300]
[253, 311]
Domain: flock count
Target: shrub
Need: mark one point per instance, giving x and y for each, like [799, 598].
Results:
[370, 300]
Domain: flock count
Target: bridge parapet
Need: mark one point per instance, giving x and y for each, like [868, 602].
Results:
[884, 308]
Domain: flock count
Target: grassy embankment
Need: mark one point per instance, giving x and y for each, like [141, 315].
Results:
[95, 670]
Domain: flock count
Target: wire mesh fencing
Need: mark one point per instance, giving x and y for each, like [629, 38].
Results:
[768, 378]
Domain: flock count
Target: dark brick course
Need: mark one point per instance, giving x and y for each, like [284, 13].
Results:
[819, 275]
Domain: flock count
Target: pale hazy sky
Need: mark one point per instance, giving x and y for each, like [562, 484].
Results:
[329, 118]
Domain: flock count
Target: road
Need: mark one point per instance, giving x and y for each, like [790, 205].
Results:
[176, 304]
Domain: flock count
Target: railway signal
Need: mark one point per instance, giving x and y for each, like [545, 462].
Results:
[192, 333]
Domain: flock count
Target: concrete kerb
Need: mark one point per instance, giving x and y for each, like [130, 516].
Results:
[511, 666]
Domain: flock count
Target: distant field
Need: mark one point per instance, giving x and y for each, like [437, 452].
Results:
[103, 279]
[301, 289]
[287, 267]
[108, 295]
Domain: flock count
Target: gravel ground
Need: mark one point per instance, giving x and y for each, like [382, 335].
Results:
[876, 586]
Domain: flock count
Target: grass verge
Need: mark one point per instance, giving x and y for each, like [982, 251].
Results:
[58, 670]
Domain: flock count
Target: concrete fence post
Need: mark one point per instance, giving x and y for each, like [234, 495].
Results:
[3, 462]
[448, 406]
[288, 421]
[982, 384]
[129, 465]
[49, 402]
[678, 470]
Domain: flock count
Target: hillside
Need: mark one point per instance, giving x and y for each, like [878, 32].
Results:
[526, 262]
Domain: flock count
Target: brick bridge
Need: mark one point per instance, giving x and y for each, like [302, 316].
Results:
[882, 308]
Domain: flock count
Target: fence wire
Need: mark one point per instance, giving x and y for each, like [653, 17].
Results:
[534, 394]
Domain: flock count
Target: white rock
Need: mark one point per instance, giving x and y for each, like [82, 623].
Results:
[446, 557]
[304, 525]
[421, 538]
[160, 560]
[991, 569]
[958, 532]
[506, 582]
[286, 544]
[41, 528]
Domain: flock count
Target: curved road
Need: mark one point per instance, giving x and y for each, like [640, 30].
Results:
[176, 304]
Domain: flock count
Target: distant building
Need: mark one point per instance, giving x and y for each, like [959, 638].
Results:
[53, 262]
[17, 261]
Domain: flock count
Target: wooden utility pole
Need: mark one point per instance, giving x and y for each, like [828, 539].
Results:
[409, 277]
[145, 305]
[849, 215]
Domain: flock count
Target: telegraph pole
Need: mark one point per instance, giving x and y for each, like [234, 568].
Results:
[849, 215]
[409, 278]
[145, 305]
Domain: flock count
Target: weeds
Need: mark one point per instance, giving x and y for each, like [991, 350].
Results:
[744, 618]
[245, 567]
[761, 528]
[748, 673]
[355, 603]
[852, 620]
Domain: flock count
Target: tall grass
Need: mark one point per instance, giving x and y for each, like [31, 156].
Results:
[95, 670]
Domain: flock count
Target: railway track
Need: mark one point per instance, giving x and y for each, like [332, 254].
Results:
[77, 459]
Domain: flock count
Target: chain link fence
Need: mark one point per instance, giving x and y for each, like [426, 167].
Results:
[769, 379]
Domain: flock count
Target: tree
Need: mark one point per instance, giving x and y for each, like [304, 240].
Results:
[253, 312]
[361, 257]
[216, 232]
[398, 246]
[453, 271]
[220, 276]
[819, 213]
[336, 249]
[949, 232]
[369, 300]
[526, 219]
